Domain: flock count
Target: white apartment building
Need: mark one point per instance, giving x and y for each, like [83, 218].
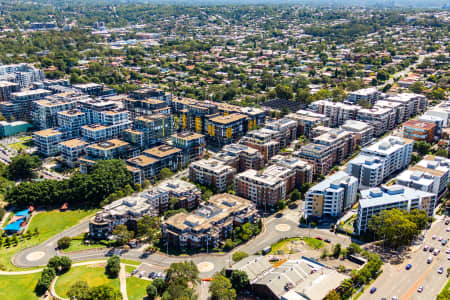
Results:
[337, 112]
[331, 196]
[375, 200]
[47, 141]
[413, 103]
[363, 131]
[369, 94]
[212, 172]
[44, 112]
[381, 118]
[71, 150]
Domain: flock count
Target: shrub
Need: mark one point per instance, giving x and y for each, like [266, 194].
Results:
[152, 292]
[239, 255]
[113, 266]
[64, 242]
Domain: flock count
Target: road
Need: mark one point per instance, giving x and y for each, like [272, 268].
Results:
[397, 281]
[275, 228]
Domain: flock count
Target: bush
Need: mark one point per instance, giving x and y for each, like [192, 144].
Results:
[64, 242]
[152, 291]
[159, 284]
[113, 266]
[47, 275]
[239, 255]
[60, 264]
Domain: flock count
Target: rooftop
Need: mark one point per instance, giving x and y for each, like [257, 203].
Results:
[228, 119]
[47, 132]
[73, 143]
[108, 145]
[389, 194]
[419, 124]
[142, 160]
[188, 135]
[162, 151]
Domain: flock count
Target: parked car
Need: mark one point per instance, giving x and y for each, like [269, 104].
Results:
[448, 229]
[431, 249]
[141, 274]
[444, 242]
[327, 241]
[433, 237]
[425, 248]
[447, 222]
[408, 266]
[318, 238]
[373, 290]
[151, 275]
[440, 270]
[447, 251]
[429, 259]
[440, 238]
[134, 271]
[420, 289]
[436, 251]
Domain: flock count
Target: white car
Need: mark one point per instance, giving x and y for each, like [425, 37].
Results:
[433, 237]
[447, 251]
[440, 238]
[426, 247]
[448, 229]
[448, 257]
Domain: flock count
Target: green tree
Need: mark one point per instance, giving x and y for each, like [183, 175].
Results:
[333, 295]
[152, 291]
[221, 288]
[422, 147]
[79, 290]
[228, 244]
[185, 272]
[104, 292]
[353, 248]
[165, 173]
[122, 234]
[159, 284]
[295, 195]
[416, 87]
[23, 167]
[112, 268]
[239, 280]
[149, 229]
[337, 250]
[239, 255]
[442, 152]
[64, 242]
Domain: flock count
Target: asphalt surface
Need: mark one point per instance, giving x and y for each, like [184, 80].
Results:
[276, 227]
[396, 281]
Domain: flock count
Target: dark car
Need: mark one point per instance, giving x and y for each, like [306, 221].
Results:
[318, 238]
[408, 266]
[373, 290]
[431, 249]
[447, 222]
[327, 241]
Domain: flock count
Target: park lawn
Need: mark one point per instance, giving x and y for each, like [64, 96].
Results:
[94, 275]
[77, 245]
[313, 243]
[18, 287]
[130, 269]
[137, 288]
[130, 262]
[282, 247]
[25, 143]
[49, 223]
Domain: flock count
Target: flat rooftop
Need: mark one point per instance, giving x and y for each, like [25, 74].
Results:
[188, 135]
[73, 143]
[228, 119]
[109, 144]
[142, 161]
[162, 151]
[47, 132]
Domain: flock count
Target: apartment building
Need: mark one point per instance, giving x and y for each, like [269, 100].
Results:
[152, 93]
[438, 121]
[419, 131]
[71, 121]
[303, 169]
[398, 108]
[382, 119]
[430, 175]
[209, 225]
[155, 128]
[413, 103]
[240, 157]
[147, 166]
[91, 88]
[287, 129]
[192, 143]
[442, 110]
[94, 108]
[375, 200]
[98, 132]
[6, 88]
[330, 197]
[188, 194]
[23, 74]
[71, 151]
[266, 141]
[341, 141]
[320, 156]
[362, 131]
[47, 141]
[212, 172]
[266, 187]
[371, 95]
[147, 106]
[223, 130]
[337, 112]
[194, 114]
[307, 120]
[109, 149]
[44, 112]
[20, 105]
[380, 160]
[167, 156]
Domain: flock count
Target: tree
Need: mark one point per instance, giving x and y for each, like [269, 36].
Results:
[64, 242]
[23, 167]
[47, 276]
[159, 284]
[295, 195]
[61, 264]
[122, 234]
[337, 250]
[281, 205]
[239, 280]
[185, 271]
[104, 292]
[333, 295]
[239, 255]
[221, 288]
[282, 92]
[228, 244]
[152, 291]
[442, 152]
[165, 173]
[417, 87]
[422, 147]
[382, 75]
[149, 229]
[353, 249]
[112, 268]
[79, 290]
[444, 295]
[396, 226]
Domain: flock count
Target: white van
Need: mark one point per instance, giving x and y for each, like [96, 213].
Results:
[430, 259]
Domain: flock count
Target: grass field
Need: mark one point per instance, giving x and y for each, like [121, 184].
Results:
[77, 245]
[25, 143]
[130, 269]
[48, 223]
[18, 287]
[136, 288]
[94, 275]
[282, 247]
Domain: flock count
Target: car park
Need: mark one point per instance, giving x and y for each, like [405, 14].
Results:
[420, 289]
[408, 266]
[373, 290]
